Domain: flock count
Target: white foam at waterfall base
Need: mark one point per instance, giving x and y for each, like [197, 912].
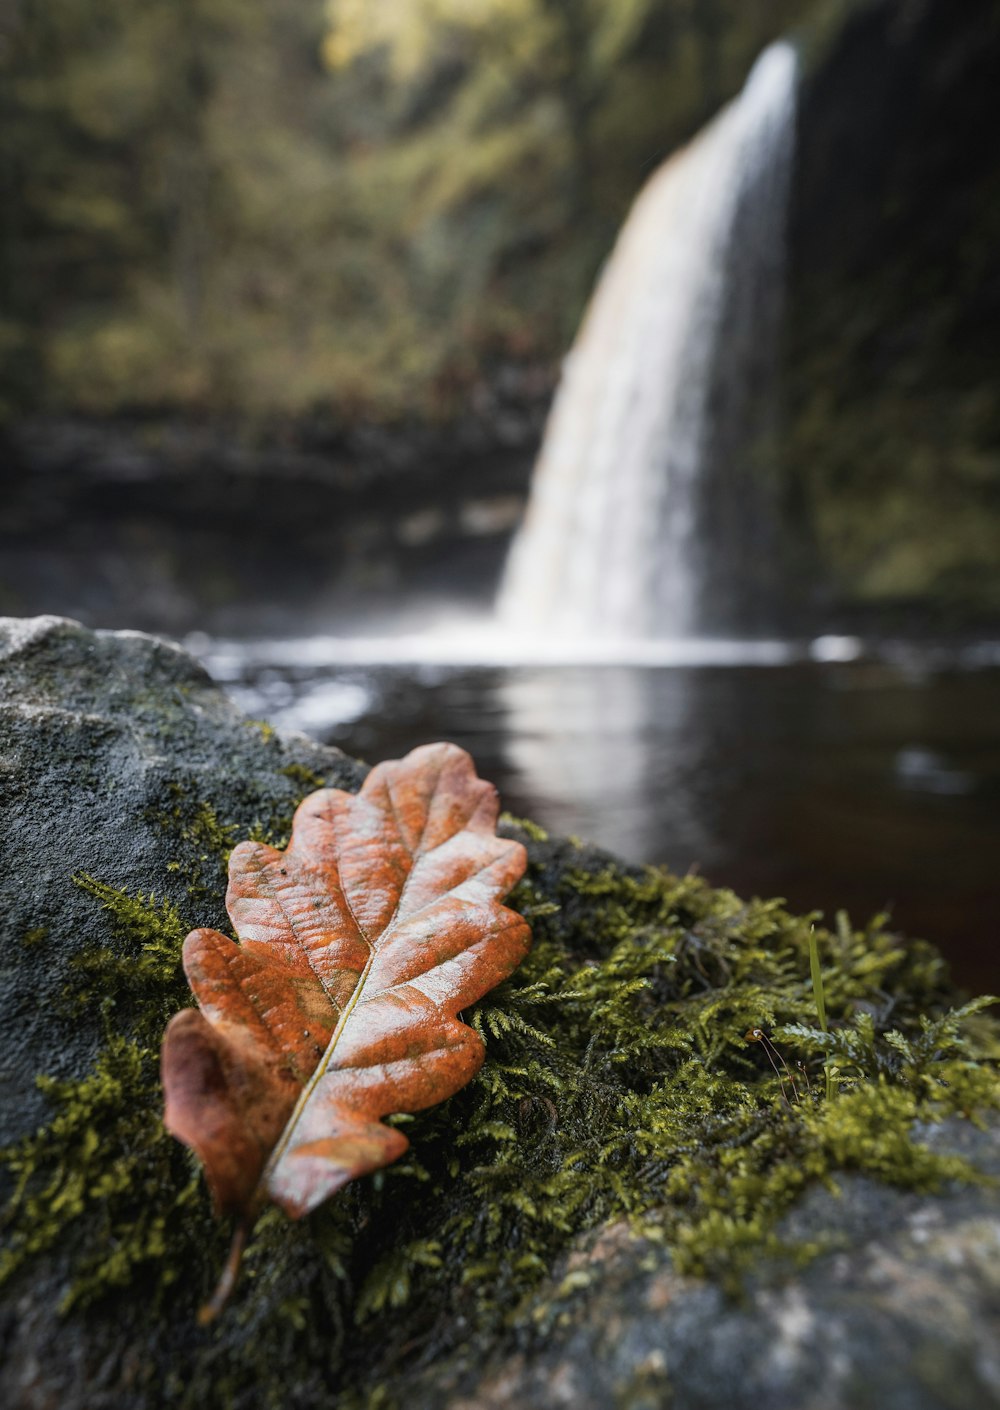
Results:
[483, 644]
[684, 319]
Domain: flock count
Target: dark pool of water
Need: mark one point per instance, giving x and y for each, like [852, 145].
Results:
[860, 786]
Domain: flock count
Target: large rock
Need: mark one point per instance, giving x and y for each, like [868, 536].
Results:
[901, 1317]
[126, 773]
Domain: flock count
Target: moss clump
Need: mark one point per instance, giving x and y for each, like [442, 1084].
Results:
[203, 841]
[103, 1160]
[618, 1083]
[305, 778]
[531, 830]
[138, 975]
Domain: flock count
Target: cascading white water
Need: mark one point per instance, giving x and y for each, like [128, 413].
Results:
[665, 374]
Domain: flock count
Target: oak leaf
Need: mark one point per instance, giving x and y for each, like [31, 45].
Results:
[359, 945]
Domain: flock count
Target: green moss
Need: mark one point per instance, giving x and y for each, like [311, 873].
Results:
[202, 839]
[305, 778]
[138, 974]
[531, 830]
[618, 1084]
[105, 1162]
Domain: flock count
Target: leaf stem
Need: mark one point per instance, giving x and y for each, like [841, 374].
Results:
[228, 1276]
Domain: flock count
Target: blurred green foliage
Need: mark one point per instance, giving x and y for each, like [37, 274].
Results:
[893, 423]
[270, 208]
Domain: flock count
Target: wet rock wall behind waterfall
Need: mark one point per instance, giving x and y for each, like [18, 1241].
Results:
[892, 440]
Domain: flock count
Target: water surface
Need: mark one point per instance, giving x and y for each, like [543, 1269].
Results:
[868, 785]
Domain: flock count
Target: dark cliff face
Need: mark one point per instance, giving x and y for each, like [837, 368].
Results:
[172, 525]
[893, 439]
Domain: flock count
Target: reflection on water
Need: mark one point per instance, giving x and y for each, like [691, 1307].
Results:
[613, 755]
[860, 785]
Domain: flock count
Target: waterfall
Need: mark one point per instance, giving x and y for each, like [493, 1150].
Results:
[639, 508]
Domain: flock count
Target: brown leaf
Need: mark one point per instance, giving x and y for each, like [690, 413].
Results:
[359, 945]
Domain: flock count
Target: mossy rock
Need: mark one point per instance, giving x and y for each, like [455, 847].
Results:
[632, 1205]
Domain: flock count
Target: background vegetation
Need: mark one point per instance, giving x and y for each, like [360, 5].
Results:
[265, 208]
